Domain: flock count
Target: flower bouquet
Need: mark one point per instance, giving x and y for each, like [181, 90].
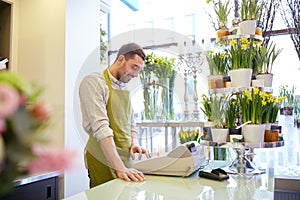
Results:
[22, 117]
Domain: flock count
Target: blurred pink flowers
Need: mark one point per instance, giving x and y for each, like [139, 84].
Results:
[40, 110]
[9, 100]
[50, 159]
[22, 117]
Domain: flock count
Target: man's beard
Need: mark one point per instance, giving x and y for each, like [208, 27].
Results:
[125, 78]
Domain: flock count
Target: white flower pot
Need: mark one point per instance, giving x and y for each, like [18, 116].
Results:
[257, 83]
[240, 77]
[247, 27]
[267, 78]
[253, 133]
[219, 134]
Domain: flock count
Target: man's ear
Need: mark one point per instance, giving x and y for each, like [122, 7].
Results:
[121, 58]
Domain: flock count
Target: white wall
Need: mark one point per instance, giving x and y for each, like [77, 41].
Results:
[82, 56]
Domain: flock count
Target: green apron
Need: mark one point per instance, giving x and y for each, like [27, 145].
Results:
[119, 113]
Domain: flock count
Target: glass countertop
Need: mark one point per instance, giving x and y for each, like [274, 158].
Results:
[193, 187]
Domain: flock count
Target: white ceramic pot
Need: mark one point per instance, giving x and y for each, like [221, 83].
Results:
[219, 134]
[268, 126]
[253, 133]
[247, 27]
[240, 77]
[267, 78]
[257, 83]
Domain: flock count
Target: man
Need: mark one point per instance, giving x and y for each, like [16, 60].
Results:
[108, 119]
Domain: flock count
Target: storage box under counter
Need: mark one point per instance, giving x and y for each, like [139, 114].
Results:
[286, 187]
[36, 187]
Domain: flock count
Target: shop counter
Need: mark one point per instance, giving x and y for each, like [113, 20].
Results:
[192, 187]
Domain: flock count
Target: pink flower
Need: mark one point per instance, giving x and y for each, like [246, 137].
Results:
[22, 99]
[9, 100]
[50, 159]
[40, 111]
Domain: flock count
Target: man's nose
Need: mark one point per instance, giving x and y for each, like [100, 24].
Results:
[135, 73]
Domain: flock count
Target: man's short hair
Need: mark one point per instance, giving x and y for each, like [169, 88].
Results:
[131, 48]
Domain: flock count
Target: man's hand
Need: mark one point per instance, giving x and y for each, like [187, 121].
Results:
[130, 174]
[137, 149]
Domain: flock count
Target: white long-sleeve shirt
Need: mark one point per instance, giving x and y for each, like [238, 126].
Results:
[94, 93]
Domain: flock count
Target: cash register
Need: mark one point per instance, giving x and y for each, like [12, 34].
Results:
[181, 161]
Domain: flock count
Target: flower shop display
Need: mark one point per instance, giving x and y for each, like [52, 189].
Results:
[22, 117]
[158, 81]
[250, 108]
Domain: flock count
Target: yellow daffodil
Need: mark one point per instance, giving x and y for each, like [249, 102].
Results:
[244, 41]
[255, 90]
[232, 42]
[246, 92]
[244, 47]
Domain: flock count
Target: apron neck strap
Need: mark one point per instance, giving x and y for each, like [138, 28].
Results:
[107, 80]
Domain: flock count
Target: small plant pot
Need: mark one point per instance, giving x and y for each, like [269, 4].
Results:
[215, 81]
[258, 31]
[276, 127]
[206, 134]
[288, 110]
[234, 131]
[222, 32]
[271, 135]
[235, 135]
[226, 80]
[253, 133]
[247, 27]
[240, 77]
[281, 111]
[219, 134]
[257, 83]
[266, 78]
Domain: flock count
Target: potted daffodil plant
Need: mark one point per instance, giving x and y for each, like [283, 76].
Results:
[264, 58]
[222, 11]
[249, 13]
[218, 67]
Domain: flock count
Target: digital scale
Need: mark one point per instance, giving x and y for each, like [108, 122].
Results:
[181, 161]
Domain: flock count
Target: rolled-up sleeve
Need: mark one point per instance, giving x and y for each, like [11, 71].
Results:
[93, 94]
